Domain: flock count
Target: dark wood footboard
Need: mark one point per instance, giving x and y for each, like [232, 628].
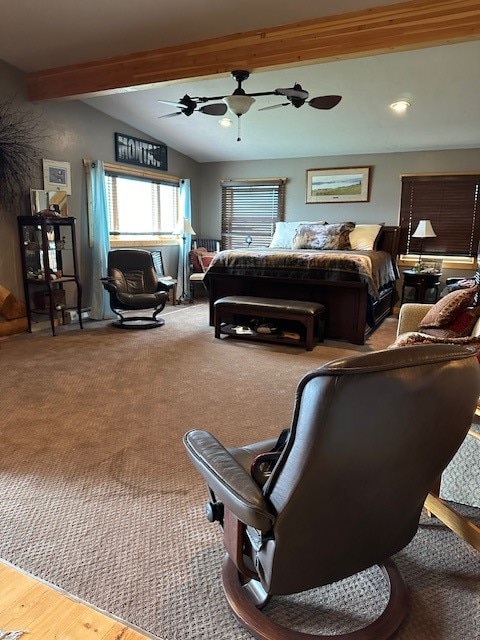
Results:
[350, 313]
[346, 303]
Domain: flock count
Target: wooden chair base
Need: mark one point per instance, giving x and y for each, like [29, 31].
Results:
[455, 521]
[463, 527]
[264, 628]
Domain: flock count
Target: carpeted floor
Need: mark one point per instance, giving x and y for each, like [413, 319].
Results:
[97, 495]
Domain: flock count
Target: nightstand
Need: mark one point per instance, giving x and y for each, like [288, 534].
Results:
[421, 282]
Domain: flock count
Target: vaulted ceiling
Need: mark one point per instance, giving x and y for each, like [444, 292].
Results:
[123, 57]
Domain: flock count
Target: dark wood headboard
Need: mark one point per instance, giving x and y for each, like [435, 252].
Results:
[388, 240]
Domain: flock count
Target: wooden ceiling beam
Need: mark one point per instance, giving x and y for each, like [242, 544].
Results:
[407, 25]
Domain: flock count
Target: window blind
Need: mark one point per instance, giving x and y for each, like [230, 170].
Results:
[251, 208]
[451, 203]
[140, 205]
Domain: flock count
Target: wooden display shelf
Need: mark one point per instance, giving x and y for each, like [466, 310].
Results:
[48, 249]
[53, 282]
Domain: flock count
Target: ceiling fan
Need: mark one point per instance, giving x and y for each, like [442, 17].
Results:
[239, 102]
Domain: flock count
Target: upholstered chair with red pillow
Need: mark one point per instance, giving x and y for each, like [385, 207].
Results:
[199, 259]
[453, 319]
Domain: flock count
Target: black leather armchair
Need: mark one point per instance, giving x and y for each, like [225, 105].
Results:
[370, 436]
[133, 285]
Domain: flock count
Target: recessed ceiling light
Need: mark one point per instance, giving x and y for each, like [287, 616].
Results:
[225, 122]
[400, 106]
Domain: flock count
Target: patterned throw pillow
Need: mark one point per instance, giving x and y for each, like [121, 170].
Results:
[412, 338]
[200, 259]
[324, 237]
[448, 308]
[285, 232]
[460, 327]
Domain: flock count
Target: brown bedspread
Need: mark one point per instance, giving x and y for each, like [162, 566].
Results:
[375, 268]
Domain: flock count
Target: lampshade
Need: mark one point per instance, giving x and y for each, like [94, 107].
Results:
[238, 104]
[424, 230]
[184, 228]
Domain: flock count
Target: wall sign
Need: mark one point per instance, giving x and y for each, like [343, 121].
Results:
[140, 153]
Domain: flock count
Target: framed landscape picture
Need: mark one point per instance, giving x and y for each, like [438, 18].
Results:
[338, 185]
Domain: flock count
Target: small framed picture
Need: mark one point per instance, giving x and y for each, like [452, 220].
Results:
[56, 176]
[338, 185]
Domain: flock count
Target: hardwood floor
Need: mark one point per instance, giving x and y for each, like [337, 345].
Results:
[45, 613]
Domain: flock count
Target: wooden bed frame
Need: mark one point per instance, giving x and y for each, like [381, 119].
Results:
[346, 302]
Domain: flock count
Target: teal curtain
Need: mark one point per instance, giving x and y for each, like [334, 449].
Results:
[185, 211]
[99, 240]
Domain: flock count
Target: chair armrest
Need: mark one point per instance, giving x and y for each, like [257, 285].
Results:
[164, 285]
[411, 313]
[228, 480]
[108, 284]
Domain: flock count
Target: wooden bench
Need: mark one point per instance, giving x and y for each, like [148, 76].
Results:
[310, 314]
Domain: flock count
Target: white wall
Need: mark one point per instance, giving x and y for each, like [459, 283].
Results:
[385, 184]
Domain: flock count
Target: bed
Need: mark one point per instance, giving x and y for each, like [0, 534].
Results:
[357, 287]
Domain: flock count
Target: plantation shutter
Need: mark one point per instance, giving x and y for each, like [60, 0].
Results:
[251, 208]
[451, 203]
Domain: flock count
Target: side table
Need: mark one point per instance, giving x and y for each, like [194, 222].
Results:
[421, 282]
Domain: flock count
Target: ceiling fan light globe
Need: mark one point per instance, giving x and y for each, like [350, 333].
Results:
[238, 104]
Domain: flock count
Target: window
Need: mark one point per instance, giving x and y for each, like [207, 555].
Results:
[251, 208]
[141, 205]
[451, 203]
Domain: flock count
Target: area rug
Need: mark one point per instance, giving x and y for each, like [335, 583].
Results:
[98, 497]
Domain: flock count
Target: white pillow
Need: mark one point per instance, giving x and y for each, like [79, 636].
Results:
[363, 237]
[285, 232]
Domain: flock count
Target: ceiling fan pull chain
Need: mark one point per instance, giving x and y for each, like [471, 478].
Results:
[239, 139]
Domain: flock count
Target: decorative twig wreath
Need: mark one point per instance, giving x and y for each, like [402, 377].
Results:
[19, 134]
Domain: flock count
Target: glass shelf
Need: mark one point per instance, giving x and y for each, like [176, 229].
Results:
[48, 248]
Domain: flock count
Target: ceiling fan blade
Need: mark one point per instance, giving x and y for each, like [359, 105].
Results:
[274, 106]
[293, 92]
[172, 103]
[324, 102]
[215, 109]
[171, 115]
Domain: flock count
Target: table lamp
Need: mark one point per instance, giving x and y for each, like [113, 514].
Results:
[423, 230]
